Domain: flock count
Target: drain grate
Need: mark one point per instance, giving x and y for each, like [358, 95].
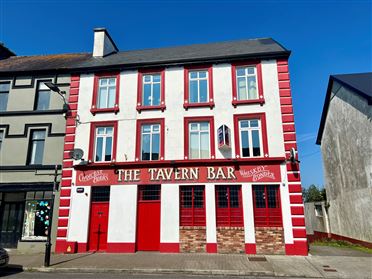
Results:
[257, 259]
[330, 269]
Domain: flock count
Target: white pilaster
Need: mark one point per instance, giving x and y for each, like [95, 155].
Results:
[249, 231]
[169, 223]
[210, 206]
[286, 208]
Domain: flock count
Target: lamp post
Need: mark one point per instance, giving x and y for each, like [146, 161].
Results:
[52, 86]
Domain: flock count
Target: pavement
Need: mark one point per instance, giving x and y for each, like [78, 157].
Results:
[320, 264]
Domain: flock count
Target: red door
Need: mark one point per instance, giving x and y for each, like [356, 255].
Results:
[98, 226]
[148, 218]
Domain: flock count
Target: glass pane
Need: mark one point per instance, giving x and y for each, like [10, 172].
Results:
[145, 145]
[194, 126]
[156, 78]
[156, 94]
[100, 131]
[203, 74]
[203, 91]
[193, 91]
[43, 98]
[112, 81]
[108, 149]
[272, 197]
[146, 128]
[99, 149]
[254, 123]
[204, 145]
[155, 128]
[259, 194]
[103, 81]
[234, 196]
[240, 72]
[3, 101]
[111, 97]
[252, 88]
[242, 92]
[102, 97]
[39, 152]
[193, 74]
[245, 143]
[5, 86]
[204, 126]
[155, 147]
[194, 146]
[147, 78]
[147, 94]
[222, 197]
[244, 124]
[250, 70]
[109, 130]
[256, 143]
[186, 197]
[38, 135]
[198, 197]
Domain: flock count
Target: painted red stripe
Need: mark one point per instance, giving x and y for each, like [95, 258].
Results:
[68, 146]
[285, 93]
[289, 146]
[73, 106]
[289, 128]
[285, 101]
[284, 85]
[293, 167]
[282, 68]
[70, 122]
[74, 91]
[69, 138]
[282, 62]
[211, 248]
[287, 110]
[287, 118]
[75, 77]
[70, 130]
[297, 222]
[293, 177]
[295, 198]
[169, 248]
[250, 248]
[297, 210]
[298, 248]
[64, 212]
[65, 192]
[73, 99]
[61, 232]
[283, 76]
[68, 163]
[64, 202]
[122, 247]
[66, 182]
[295, 188]
[60, 246]
[66, 173]
[299, 233]
[290, 137]
[62, 222]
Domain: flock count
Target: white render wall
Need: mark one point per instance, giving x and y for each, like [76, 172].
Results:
[174, 113]
[169, 220]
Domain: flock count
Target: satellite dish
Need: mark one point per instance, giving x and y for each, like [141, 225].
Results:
[293, 155]
[76, 154]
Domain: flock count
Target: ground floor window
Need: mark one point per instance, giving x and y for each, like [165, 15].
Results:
[192, 206]
[229, 208]
[267, 209]
[36, 219]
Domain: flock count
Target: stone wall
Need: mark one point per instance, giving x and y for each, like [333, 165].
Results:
[269, 240]
[230, 240]
[193, 239]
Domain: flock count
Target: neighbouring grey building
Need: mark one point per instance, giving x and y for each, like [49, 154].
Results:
[345, 137]
[32, 130]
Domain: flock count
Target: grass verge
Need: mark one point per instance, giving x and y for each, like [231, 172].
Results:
[341, 244]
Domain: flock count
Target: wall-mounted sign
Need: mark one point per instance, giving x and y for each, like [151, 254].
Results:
[223, 133]
[260, 173]
[79, 190]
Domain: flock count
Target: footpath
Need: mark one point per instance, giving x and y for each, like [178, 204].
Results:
[325, 265]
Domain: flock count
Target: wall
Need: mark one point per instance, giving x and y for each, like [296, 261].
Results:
[314, 222]
[347, 158]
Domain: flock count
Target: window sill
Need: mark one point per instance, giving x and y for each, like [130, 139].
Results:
[198, 105]
[141, 108]
[113, 161]
[105, 110]
[260, 101]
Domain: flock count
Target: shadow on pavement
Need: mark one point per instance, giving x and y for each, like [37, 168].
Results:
[75, 258]
[10, 270]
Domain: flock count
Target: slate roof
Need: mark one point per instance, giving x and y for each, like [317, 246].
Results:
[223, 51]
[360, 84]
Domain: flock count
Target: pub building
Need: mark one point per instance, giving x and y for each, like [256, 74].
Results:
[182, 149]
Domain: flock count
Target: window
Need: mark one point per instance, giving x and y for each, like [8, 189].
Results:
[1, 138]
[318, 210]
[106, 93]
[103, 137]
[37, 215]
[42, 96]
[36, 148]
[148, 193]
[192, 211]
[150, 140]
[250, 135]
[198, 87]
[101, 194]
[151, 89]
[199, 138]
[4, 93]
[247, 83]
[266, 202]
[229, 211]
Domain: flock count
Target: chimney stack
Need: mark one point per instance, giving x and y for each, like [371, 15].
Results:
[103, 43]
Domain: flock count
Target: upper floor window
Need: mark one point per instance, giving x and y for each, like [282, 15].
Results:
[42, 96]
[36, 147]
[247, 83]
[198, 87]
[103, 137]
[229, 208]
[266, 202]
[1, 138]
[192, 207]
[250, 135]
[150, 134]
[106, 93]
[150, 90]
[4, 93]
[199, 142]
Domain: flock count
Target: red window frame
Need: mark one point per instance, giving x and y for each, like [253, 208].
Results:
[97, 76]
[192, 216]
[141, 122]
[209, 119]
[143, 72]
[229, 216]
[267, 217]
[248, 116]
[189, 69]
[93, 127]
[261, 99]
[153, 195]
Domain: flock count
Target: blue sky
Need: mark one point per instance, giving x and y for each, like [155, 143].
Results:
[326, 37]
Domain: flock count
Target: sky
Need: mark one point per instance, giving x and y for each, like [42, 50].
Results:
[325, 37]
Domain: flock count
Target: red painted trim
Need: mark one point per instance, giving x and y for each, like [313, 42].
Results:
[64, 202]
[62, 222]
[322, 235]
[66, 173]
[211, 248]
[295, 199]
[295, 188]
[261, 99]
[93, 126]
[141, 107]
[71, 246]
[82, 247]
[141, 122]
[210, 102]
[70, 138]
[63, 212]
[250, 248]
[247, 116]
[121, 247]
[298, 248]
[66, 183]
[70, 130]
[187, 121]
[299, 233]
[298, 222]
[61, 232]
[297, 210]
[294, 177]
[65, 192]
[67, 164]
[60, 246]
[169, 248]
[97, 76]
